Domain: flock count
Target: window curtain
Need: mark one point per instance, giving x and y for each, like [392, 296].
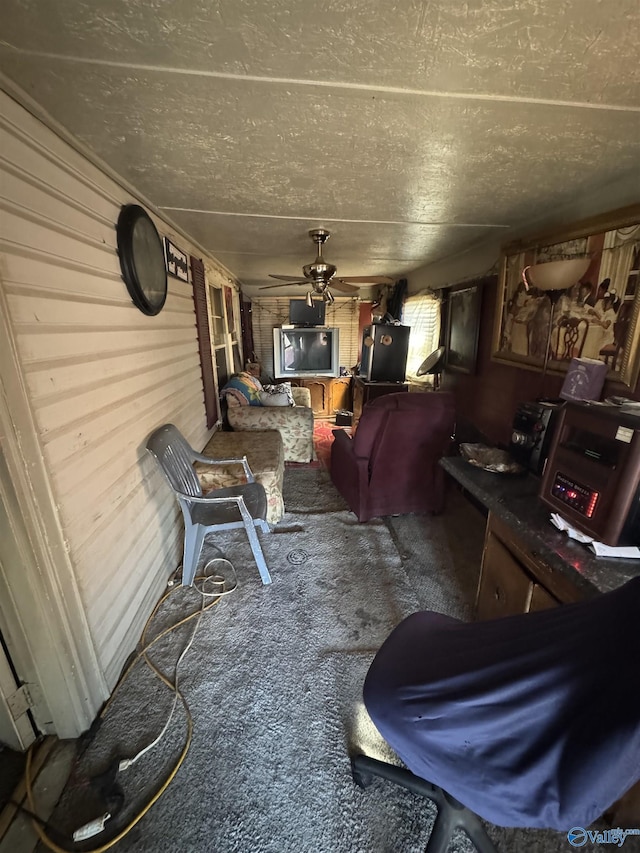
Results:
[422, 313]
[617, 257]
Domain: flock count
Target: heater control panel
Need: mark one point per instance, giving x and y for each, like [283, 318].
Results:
[580, 498]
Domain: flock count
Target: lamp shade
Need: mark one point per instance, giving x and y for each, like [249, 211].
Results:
[557, 275]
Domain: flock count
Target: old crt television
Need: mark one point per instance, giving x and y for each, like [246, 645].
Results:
[300, 314]
[305, 351]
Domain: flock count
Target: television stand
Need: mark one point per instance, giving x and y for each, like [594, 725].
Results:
[328, 395]
[365, 391]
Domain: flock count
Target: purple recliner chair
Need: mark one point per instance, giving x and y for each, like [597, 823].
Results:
[390, 466]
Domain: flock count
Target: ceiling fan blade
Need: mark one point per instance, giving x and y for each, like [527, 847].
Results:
[283, 284]
[342, 286]
[367, 279]
[285, 277]
[320, 274]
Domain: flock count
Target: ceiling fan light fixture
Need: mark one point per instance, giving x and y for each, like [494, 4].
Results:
[309, 299]
[319, 274]
[319, 270]
[327, 296]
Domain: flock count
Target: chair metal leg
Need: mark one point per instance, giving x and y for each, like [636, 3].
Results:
[258, 556]
[193, 539]
[451, 814]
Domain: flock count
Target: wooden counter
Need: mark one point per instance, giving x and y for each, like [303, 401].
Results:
[527, 563]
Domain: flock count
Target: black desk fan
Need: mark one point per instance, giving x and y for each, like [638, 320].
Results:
[432, 366]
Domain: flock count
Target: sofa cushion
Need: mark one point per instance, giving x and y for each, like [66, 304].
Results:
[268, 398]
[277, 395]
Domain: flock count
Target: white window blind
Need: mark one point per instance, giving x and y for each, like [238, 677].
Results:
[267, 312]
[422, 314]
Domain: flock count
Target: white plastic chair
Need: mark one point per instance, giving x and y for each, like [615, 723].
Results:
[244, 505]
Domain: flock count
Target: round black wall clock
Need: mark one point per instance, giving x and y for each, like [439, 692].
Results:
[142, 259]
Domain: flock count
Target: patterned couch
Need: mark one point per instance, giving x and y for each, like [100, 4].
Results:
[294, 423]
[265, 455]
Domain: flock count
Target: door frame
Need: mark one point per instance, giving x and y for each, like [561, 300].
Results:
[42, 617]
[17, 730]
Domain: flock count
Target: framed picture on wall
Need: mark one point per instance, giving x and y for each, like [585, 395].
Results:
[596, 317]
[176, 260]
[463, 326]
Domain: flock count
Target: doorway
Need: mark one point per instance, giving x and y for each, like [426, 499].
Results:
[17, 727]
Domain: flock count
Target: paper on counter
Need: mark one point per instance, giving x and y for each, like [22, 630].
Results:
[562, 524]
[630, 552]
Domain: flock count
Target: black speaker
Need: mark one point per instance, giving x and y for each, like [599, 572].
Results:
[384, 353]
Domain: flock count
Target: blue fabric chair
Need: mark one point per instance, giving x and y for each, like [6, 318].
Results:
[528, 721]
[244, 505]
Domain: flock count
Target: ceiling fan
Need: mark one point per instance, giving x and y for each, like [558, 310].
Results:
[320, 274]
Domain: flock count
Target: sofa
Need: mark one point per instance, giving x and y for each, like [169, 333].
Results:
[390, 466]
[251, 406]
[265, 455]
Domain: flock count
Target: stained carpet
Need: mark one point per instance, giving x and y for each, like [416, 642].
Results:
[273, 680]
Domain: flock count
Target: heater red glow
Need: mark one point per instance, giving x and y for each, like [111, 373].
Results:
[592, 504]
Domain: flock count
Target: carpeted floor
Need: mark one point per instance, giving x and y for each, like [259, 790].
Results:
[273, 681]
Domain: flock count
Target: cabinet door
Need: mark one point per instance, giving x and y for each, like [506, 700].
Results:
[505, 588]
[541, 599]
[340, 394]
[319, 389]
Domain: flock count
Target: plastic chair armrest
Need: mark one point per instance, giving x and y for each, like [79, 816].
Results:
[206, 499]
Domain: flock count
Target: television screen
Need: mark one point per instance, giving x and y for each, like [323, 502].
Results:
[305, 352]
[300, 314]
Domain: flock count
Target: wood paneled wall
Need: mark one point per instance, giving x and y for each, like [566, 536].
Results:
[488, 398]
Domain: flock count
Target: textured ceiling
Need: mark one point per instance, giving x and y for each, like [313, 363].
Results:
[411, 130]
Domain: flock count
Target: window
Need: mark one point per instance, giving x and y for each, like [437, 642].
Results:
[220, 354]
[422, 313]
